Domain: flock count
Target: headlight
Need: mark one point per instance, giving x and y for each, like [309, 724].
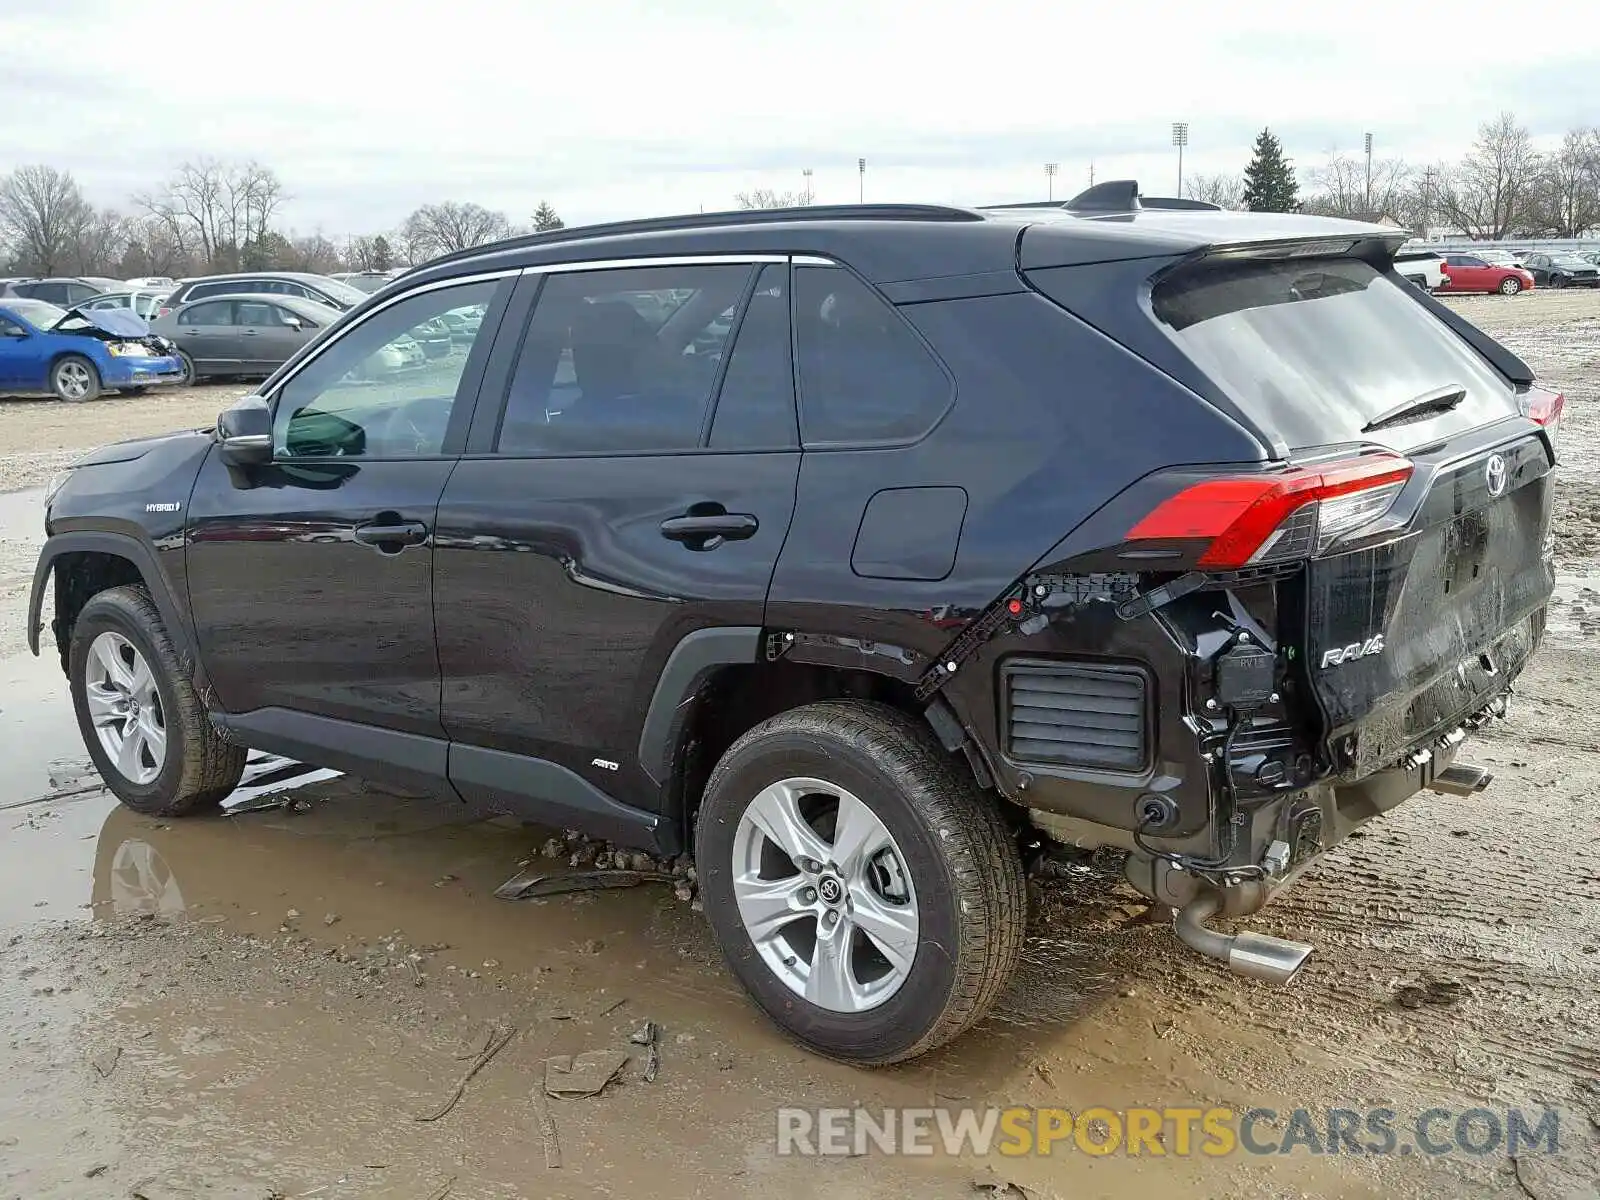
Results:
[129, 349]
[55, 485]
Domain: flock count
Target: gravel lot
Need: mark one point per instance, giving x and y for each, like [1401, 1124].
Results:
[265, 1004]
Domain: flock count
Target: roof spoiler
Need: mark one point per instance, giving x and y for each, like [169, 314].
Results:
[1114, 196]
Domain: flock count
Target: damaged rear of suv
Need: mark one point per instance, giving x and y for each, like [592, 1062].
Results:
[872, 552]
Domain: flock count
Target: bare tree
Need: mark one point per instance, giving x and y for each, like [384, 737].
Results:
[220, 208]
[1340, 188]
[437, 229]
[1565, 200]
[42, 212]
[313, 253]
[1225, 191]
[1486, 195]
[767, 198]
[100, 242]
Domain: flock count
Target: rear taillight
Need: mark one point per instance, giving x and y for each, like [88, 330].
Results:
[163, 311]
[1545, 408]
[1250, 520]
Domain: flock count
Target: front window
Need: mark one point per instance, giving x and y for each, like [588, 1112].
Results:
[374, 392]
[342, 292]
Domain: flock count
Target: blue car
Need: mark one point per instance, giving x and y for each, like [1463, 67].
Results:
[76, 354]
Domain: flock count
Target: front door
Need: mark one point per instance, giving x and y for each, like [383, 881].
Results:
[639, 487]
[266, 339]
[17, 353]
[311, 578]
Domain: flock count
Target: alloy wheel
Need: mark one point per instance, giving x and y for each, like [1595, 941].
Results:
[125, 708]
[73, 381]
[825, 895]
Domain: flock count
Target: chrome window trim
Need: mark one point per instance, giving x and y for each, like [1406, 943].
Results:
[675, 260]
[340, 331]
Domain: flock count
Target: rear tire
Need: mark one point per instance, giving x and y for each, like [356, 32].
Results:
[932, 911]
[140, 717]
[1558, 281]
[1510, 286]
[75, 379]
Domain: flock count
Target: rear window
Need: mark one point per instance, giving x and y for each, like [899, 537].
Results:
[1315, 349]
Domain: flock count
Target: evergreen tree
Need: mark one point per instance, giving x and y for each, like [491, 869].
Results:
[382, 254]
[1269, 182]
[544, 218]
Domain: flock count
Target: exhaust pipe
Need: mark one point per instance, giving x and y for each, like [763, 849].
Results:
[1258, 955]
[1462, 779]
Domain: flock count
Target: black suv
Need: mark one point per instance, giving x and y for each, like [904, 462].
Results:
[873, 553]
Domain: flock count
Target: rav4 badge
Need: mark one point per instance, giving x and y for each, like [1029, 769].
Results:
[1343, 654]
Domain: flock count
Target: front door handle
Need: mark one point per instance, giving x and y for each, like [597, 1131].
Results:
[707, 530]
[393, 536]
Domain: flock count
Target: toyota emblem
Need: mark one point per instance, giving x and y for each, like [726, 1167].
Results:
[1494, 474]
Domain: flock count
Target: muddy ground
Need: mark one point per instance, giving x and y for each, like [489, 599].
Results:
[264, 1004]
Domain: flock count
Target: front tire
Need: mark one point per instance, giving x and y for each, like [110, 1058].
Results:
[75, 379]
[1510, 286]
[865, 893]
[186, 365]
[138, 712]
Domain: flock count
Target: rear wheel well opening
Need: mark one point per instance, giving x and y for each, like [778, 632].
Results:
[736, 698]
[78, 576]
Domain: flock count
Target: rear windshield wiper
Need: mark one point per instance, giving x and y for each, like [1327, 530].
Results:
[1440, 399]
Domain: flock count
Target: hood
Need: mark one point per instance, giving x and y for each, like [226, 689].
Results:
[136, 448]
[120, 322]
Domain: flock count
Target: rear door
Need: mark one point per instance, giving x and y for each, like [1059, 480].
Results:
[637, 487]
[208, 335]
[1433, 604]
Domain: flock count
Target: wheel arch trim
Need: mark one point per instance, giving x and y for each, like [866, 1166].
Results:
[691, 662]
[118, 545]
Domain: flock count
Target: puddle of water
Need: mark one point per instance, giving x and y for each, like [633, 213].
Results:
[37, 725]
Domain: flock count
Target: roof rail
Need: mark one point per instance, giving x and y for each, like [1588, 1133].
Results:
[1112, 196]
[713, 220]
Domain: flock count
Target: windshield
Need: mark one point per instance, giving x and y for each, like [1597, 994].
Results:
[367, 283]
[342, 292]
[39, 312]
[1313, 350]
[1569, 260]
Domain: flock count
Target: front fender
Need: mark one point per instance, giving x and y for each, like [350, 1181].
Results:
[120, 545]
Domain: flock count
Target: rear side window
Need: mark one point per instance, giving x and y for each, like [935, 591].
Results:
[621, 362]
[865, 376]
[1316, 349]
[218, 312]
[755, 409]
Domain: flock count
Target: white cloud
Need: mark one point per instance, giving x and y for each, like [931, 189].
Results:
[616, 107]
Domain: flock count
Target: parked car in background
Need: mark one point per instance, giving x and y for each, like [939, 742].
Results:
[1472, 273]
[150, 282]
[1498, 258]
[141, 301]
[63, 292]
[75, 354]
[435, 337]
[298, 284]
[364, 281]
[463, 323]
[1590, 256]
[1563, 270]
[1425, 268]
[241, 335]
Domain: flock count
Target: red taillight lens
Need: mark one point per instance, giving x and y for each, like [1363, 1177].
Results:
[1254, 519]
[1544, 407]
[163, 312]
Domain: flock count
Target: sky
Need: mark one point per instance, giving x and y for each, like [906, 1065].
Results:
[616, 108]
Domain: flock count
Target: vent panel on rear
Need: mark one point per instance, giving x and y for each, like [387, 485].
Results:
[1078, 716]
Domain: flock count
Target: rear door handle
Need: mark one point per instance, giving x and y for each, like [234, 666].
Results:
[707, 531]
[393, 536]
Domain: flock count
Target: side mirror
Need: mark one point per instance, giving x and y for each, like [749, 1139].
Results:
[245, 432]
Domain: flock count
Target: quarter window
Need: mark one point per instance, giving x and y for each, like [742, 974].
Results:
[621, 362]
[374, 393]
[864, 375]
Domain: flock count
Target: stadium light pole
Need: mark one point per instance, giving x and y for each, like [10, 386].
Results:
[1050, 179]
[1369, 172]
[861, 170]
[1180, 139]
[806, 171]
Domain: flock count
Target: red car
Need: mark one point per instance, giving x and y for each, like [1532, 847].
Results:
[1469, 273]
